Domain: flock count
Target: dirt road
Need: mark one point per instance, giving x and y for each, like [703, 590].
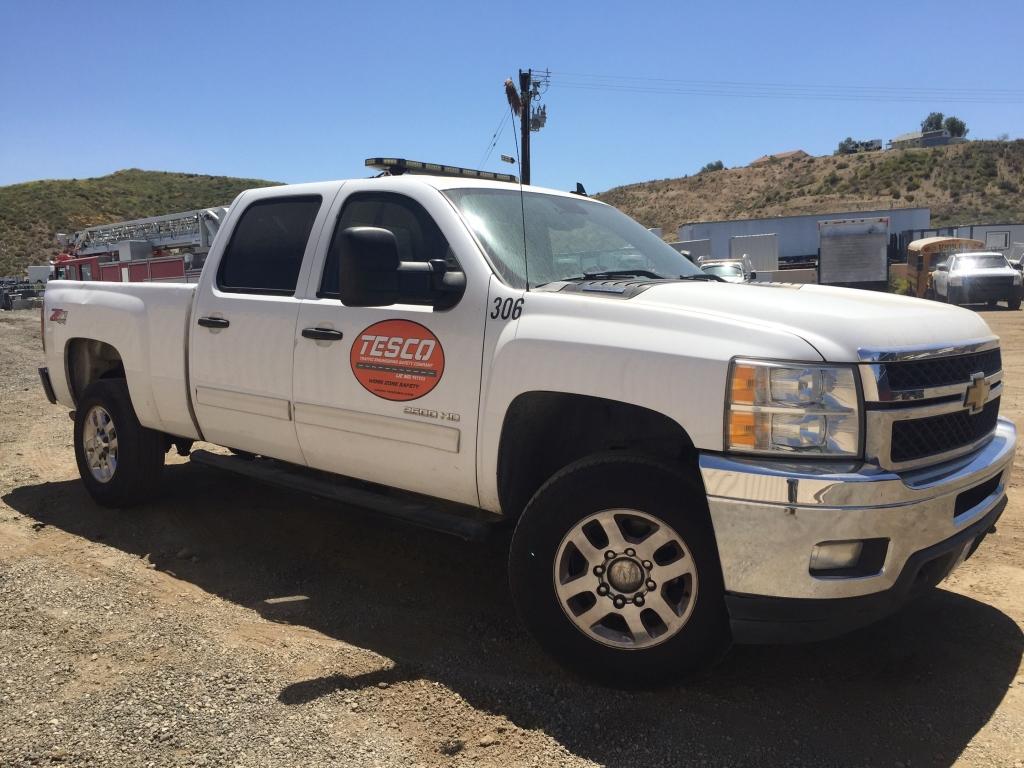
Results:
[234, 624]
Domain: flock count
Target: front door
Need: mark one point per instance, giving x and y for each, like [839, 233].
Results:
[390, 394]
[243, 330]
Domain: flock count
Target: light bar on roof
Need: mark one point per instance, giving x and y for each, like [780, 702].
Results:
[396, 166]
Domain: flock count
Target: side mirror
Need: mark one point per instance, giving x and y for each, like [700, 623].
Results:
[942, 268]
[370, 273]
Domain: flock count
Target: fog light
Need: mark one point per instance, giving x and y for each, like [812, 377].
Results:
[848, 559]
[831, 555]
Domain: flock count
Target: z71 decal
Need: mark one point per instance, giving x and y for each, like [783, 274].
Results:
[397, 360]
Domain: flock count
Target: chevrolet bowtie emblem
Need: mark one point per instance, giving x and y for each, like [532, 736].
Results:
[977, 393]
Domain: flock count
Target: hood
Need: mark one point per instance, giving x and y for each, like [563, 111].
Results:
[985, 271]
[838, 322]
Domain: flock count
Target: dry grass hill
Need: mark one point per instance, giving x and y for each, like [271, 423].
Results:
[976, 182]
[980, 181]
[31, 213]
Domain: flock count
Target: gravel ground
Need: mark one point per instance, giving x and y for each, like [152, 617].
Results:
[235, 624]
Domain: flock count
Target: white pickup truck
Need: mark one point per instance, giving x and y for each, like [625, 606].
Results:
[973, 277]
[687, 462]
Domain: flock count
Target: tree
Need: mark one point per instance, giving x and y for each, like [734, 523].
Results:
[955, 126]
[717, 165]
[933, 122]
[847, 146]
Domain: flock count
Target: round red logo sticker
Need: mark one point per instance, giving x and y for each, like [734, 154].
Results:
[397, 360]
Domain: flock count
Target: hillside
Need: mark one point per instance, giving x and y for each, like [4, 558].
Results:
[31, 213]
[976, 182]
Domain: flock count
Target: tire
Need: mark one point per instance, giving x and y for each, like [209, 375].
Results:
[1013, 304]
[642, 491]
[105, 415]
[991, 303]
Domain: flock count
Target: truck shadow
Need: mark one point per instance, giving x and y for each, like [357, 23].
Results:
[913, 689]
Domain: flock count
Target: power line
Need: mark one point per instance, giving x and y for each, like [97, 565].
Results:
[494, 138]
[741, 89]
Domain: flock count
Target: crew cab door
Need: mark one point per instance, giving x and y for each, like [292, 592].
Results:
[390, 394]
[243, 325]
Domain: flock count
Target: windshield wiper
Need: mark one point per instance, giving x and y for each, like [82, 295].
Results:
[704, 276]
[605, 273]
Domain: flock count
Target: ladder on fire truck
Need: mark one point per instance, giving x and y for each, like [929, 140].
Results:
[192, 230]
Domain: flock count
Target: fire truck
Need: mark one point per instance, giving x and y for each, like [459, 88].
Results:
[170, 248]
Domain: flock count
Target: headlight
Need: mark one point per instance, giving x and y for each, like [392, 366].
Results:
[788, 408]
[956, 279]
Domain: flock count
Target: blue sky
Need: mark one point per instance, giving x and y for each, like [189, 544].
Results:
[301, 91]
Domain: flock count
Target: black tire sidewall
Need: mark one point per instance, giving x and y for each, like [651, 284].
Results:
[139, 457]
[612, 482]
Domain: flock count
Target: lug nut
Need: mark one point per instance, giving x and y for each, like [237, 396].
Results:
[609, 555]
[647, 564]
[620, 601]
[598, 570]
[630, 552]
[651, 585]
[638, 600]
[602, 589]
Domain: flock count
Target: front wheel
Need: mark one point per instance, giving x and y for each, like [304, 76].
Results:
[614, 569]
[1013, 304]
[119, 460]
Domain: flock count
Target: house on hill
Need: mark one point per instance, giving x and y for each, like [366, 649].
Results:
[793, 154]
[937, 138]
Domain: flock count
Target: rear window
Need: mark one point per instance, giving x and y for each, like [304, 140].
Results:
[266, 248]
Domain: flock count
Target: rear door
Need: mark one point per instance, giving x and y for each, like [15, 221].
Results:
[243, 326]
[391, 394]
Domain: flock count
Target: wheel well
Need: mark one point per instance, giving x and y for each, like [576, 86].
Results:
[88, 361]
[545, 431]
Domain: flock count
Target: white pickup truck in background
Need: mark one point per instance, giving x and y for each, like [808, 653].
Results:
[978, 277]
[687, 462]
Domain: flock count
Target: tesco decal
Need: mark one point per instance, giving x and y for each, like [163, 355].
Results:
[397, 360]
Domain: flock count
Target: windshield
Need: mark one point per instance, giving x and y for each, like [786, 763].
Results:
[979, 262]
[565, 237]
[723, 270]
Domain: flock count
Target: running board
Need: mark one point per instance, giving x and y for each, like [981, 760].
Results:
[461, 520]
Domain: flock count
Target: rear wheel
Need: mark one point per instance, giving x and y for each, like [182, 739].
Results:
[119, 460]
[1013, 304]
[614, 569]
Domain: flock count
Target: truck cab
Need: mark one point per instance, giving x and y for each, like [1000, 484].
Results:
[686, 462]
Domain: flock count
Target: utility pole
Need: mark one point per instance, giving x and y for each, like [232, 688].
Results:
[525, 94]
[531, 118]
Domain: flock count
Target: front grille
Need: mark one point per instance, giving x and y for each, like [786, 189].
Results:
[940, 371]
[988, 282]
[917, 438]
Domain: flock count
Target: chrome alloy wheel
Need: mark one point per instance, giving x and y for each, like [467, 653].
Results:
[625, 579]
[99, 439]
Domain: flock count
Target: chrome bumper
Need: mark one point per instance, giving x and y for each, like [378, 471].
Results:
[769, 515]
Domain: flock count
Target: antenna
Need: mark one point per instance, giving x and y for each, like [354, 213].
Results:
[513, 101]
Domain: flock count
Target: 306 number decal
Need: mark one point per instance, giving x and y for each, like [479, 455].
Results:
[507, 309]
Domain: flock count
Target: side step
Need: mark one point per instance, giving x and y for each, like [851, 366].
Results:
[463, 521]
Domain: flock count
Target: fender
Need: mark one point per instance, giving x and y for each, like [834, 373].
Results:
[147, 325]
[668, 360]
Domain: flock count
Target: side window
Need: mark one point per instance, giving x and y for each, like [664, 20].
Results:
[266, 247]
[418, 236]
[87, 271]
